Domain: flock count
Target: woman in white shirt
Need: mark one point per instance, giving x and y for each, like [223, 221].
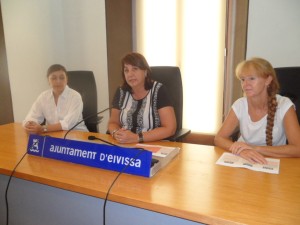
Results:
[265, 119]
[60, 106]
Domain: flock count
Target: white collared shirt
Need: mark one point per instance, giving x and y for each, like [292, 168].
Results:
[67, 112]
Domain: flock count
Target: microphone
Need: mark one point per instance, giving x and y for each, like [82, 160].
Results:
[88, 117]
[91, 137]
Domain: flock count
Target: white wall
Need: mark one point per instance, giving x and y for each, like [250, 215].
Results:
[274, 31]
[40, 33]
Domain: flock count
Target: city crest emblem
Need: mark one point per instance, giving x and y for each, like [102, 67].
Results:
[35, 145]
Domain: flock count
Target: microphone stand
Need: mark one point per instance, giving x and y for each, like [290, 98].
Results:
[96, 138]
[88, 117]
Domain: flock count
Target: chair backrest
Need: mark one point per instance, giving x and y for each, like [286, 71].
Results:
[84, 83]
[289, 80]
[170, 76]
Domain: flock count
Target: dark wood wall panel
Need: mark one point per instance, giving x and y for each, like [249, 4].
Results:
[119, 39]
[6, 109]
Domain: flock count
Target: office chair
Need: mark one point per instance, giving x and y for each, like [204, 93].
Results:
[289, 81]
[84, 83]
[170, 76]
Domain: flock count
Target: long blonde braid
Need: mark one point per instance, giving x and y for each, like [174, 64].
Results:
[272, 105]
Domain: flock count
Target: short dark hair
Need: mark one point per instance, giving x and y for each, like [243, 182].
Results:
[56, 67]
[138, 60]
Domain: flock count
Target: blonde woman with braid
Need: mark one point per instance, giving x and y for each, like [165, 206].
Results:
[265, 119]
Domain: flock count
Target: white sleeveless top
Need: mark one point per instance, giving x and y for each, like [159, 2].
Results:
[254, 133]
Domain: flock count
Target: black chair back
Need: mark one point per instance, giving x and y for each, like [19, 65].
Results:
[170, 76]
[84, 83]
[289, 80]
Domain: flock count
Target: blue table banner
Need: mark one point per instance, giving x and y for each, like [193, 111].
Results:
[132, 160]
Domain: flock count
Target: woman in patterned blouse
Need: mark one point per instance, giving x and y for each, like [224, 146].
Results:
[142, 110]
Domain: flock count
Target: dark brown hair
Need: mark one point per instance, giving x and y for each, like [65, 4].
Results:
[56, 67]
[138, 60]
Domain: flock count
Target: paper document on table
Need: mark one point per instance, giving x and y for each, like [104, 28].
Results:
[162, 153]
[229, 159]
[158, 150]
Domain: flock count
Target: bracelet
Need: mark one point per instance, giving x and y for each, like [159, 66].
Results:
[141, 137]
[113, 132]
